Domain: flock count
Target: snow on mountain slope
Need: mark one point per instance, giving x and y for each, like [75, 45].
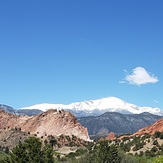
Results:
[97, 107]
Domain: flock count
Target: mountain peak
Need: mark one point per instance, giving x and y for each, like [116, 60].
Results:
[97, 107]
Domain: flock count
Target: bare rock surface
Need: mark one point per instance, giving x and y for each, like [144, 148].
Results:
[111, 136]
[51, 122]
[157, 126]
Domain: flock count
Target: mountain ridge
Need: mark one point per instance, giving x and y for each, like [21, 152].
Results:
[97, 107]
[117, 123]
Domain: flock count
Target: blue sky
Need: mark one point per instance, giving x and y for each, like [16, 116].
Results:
[68, 51]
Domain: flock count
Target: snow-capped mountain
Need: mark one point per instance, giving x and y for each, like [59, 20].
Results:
[97, 107]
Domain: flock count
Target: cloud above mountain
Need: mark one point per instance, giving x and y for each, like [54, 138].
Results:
[139, 76]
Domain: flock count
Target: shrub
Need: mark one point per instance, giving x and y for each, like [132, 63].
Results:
[158, 160]
[155, 142]
[105, 153]
[161, 135]
[157, 134]
[154, 149]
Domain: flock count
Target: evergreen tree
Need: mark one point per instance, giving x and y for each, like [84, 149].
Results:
[105, 153]
[31, 152]
[48, 154]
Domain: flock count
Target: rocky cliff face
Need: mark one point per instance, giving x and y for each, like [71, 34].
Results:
[157, 126]
[52, 122]
[111, 136]
[7, 120]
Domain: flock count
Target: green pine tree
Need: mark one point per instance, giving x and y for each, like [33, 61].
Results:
[31, 151]
[104, 153]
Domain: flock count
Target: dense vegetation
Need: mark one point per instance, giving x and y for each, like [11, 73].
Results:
[31, 151]
[126, 150]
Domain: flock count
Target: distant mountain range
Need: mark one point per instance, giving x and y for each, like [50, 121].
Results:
[7, 109]
[117, 123]
[93, 108]
[11, 110]
[102, 123]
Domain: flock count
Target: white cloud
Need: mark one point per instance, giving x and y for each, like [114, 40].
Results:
[140, 76]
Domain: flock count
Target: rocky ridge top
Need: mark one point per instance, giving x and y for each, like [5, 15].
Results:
[157, 126]
[52, 122]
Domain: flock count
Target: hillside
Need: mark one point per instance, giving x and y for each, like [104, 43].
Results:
[157, 126]
[147, 141]
[52, 122]
[10, 137]
[117, 123]
[136, 148]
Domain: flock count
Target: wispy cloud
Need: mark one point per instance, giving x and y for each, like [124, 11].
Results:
[121, 82]
[156, 101]
[139, 76]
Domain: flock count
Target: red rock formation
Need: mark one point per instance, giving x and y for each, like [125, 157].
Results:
[52, 122]
[111, 136]
[101, 139]
[7, 120]
[157, 126]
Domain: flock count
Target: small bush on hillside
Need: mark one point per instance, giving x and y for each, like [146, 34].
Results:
[155, 142]
[157, 134]
[158, 160]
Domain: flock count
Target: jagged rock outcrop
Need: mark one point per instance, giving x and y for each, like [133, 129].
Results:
[52, 122]
[111, 136]
[157, 126]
